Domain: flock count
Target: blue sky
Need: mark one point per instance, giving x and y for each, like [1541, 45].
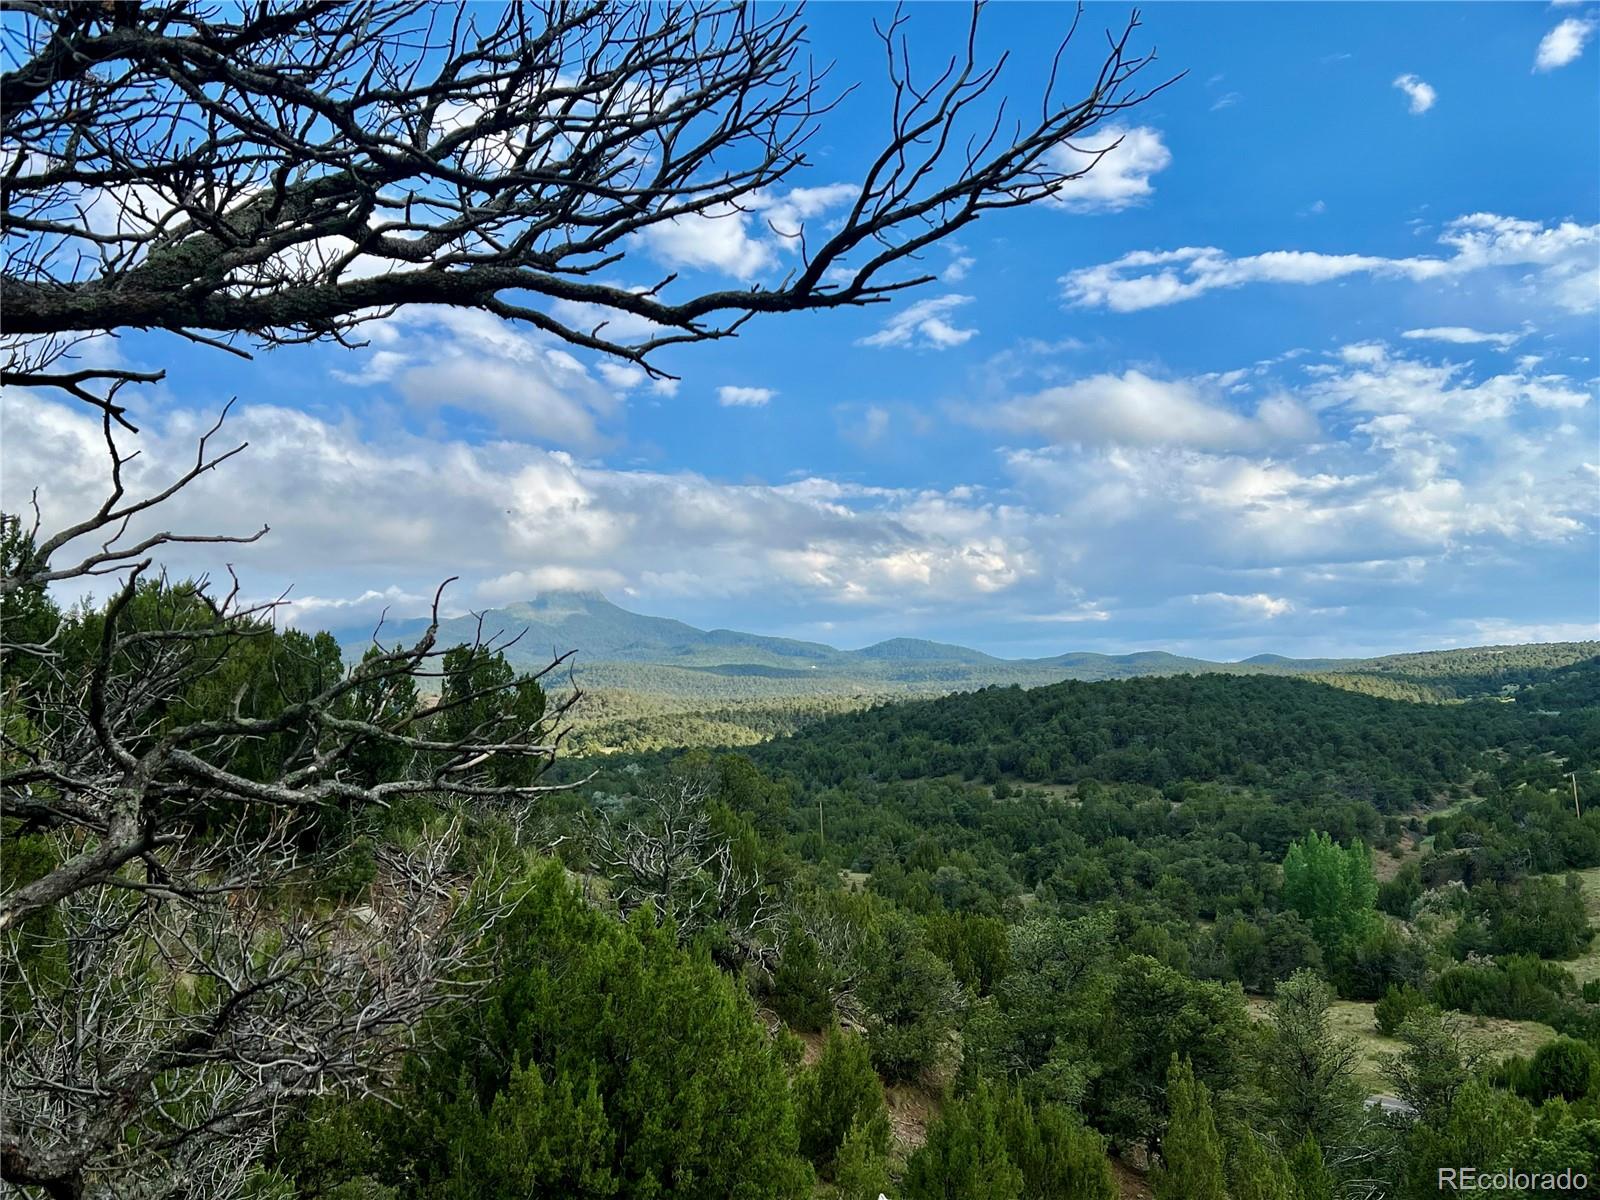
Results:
[1306, 365]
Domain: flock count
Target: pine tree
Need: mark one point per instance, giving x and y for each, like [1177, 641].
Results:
[965, 1155]
[1256, 1172]
[861, 1168]
[1058, 1157]
[1074, 1166]
[840, 1093]
[1191, 1151]
[1312, 1179]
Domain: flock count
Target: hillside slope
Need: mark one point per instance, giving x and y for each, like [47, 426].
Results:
[1162, 730]
[661, 682]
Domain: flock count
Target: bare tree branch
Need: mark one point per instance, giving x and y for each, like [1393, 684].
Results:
[284, 173]
[668, 856]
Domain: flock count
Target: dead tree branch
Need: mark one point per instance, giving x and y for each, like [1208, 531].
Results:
[284, 173]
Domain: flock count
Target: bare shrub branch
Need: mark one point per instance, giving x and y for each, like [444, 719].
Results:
[284, 173]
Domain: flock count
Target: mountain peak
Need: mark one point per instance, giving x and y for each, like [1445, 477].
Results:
[563, 594]
[561, 604]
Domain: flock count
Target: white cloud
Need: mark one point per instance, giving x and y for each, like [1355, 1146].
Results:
[1257, 606]
[1564, 43]
[1322, 482]
[521, 585]
[523, 382]
[611, 323]
[1135, 410]
[380, 367]
[1565, 258]
[1149, 279]
[744, 397]
[1071, 616]
[923, 324]
[1117, 163]
[785, 215]
[510, 396]
[321, 612]
[354, 514]
[720, 239]
[622, 376]
[1418, 462]
[745, 239]
[1419, 95]
[1408, 392]
[1460, 335]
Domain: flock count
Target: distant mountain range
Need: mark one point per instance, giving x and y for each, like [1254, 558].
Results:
[618, 649]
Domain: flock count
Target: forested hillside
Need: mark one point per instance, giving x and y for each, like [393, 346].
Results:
[651, 683]
[1300, 895]
[1163, 731]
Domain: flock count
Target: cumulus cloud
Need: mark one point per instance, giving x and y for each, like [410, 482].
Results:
[1268, 496]
[720, 239]
[1116, 164]
[1565, 259]
[321, 612]
[622, 376]
[1133, 409]
[522, 382]
[744, 397]
[923, 324]
[1370, 378]
[521, 585]
[1257, 606]
[746, 239]
[1419, 95]
[1418, 461]
[354, 513]
[1563, 44]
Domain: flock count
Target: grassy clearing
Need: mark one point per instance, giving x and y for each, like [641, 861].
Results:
[1496, 1037]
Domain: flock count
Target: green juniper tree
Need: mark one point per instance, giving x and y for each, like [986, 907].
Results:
[1255, 1172]
[1312, 1179]
[601, 1061]
[965, 1156]
[1191, 1149]
[840, 1097]
[861, 1168]
[1059, 1158]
